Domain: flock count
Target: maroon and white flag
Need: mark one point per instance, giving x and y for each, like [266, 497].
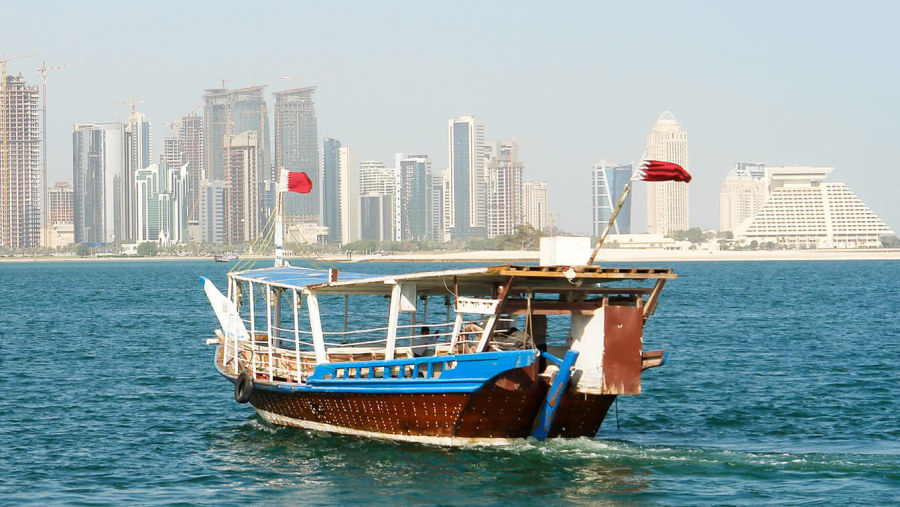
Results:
[294, 182]
[657, 170]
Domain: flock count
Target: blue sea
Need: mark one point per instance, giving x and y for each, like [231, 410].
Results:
[782, 386]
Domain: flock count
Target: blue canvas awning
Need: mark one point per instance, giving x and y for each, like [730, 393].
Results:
[292, 277]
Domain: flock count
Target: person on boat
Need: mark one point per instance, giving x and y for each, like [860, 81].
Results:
[425, 338]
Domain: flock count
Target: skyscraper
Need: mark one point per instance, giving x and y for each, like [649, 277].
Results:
[436, 228]
[243, 209]
[228, 113]
[137, 157]
[667, 202]
[414, 197]
[348, 180]
[61, 200]
[20, 165]
[608, 185]
[211, 211]
[503, 182]
[377, 180]
[190, 140]
[160, 195]
[331, 188]
[297, 147]
[466, 197]
[742, 195]
[99, 179]
[535, 205]
[172, 153]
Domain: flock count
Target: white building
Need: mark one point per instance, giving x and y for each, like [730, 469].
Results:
[503, 189]
[742, 195]
[534, 206]
[99, 172]
[376, 179]
[803, 211]
[667, 201]
[348, 181]
[161, 201]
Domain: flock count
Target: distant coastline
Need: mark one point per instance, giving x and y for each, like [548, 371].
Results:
[500, 256]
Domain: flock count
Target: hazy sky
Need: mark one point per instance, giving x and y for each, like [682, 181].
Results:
[785, 83]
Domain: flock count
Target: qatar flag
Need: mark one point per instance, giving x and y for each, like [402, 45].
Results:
[294, 182]
[657, 170]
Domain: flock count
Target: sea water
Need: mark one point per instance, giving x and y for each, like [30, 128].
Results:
[782, 385]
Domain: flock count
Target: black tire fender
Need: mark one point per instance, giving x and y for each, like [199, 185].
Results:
[243, 387]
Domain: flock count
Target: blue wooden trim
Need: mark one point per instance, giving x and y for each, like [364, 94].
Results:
[548, 410]
[470, 373]
[553, 359]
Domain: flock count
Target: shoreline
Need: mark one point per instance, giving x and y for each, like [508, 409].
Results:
[503, 256]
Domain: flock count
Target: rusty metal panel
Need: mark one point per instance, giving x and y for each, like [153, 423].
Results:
[622, 350]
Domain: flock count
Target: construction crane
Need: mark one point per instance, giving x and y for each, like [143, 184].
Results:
[4, 151]
[46, 186]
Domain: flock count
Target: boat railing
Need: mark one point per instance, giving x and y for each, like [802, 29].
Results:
[283, 356]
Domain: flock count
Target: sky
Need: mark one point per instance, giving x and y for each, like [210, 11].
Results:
[784, 83]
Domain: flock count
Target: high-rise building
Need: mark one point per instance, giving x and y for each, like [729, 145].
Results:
[297, 148]
[668, 201]
[190, 139]
[99, 179]
[211, 212]
[535, 208]
[436, 230]
[160, 195]
[375, 212]
[61, 202]
[503, 189]
[137, 157]
[243, 210]
[413, 203]
[376, 179]
[348, 180]
[803, 211]
[742, 195]
[60, 228]
[467, 196]
[608, 184]
[331, 188]
[20, 164]
[228, 113]
[172, 153]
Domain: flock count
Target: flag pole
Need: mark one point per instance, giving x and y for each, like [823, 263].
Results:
[612, 220]
[279, 223]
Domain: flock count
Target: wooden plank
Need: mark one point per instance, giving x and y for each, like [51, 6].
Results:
[538, 307]
[653, 299]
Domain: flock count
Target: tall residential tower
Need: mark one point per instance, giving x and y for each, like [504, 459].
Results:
[20, 164]
[297, 148]
[466, 197]
[667, 201]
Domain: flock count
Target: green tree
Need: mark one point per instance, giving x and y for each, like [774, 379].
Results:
[82, 250]
[890, 241]
[148, 249]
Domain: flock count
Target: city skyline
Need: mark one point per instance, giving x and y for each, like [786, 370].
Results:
[792, 96]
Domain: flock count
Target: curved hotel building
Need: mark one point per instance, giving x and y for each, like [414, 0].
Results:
[803, 211]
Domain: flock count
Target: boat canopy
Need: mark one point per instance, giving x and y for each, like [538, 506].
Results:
[441, 282]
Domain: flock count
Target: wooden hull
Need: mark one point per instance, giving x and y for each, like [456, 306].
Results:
[504, 409]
